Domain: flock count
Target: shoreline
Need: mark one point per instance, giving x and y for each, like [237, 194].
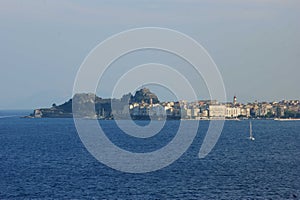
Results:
[167, 119]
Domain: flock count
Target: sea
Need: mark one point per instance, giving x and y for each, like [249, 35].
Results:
[45, 159]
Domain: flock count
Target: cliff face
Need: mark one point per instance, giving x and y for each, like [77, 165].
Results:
[91, 106]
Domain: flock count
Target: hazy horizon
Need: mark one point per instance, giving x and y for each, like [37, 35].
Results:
[255, 45]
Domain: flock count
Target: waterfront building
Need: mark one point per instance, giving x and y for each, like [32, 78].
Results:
[232, 112]
[217, 111]
[195, 112]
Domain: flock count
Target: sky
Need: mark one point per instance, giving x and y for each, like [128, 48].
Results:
[255, 45]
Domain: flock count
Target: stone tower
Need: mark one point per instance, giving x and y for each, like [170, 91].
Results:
[234, 100]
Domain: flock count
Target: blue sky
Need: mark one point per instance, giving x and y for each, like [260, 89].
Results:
[255, 44]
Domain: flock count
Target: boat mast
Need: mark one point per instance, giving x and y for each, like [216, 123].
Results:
[250, 129]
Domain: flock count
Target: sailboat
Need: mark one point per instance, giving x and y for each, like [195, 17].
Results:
[250, 132]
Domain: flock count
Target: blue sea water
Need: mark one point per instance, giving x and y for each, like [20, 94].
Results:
[45, 159]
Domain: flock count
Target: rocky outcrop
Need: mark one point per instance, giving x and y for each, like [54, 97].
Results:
[144, 96]
[88, 105]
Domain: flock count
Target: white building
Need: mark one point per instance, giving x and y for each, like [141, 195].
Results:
[186, 113]
[245, 112]
[195, 112]
[233, 112]
[157, 110]
[217, 111]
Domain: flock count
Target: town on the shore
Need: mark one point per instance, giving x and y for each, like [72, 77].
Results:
[212, 109]
[145, 105]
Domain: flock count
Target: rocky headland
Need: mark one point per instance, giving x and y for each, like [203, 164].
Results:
[88, 105]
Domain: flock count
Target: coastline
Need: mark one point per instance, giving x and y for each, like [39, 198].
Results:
[143, 118]
[287, 119]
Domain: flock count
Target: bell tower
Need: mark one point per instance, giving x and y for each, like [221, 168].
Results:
[234, 100]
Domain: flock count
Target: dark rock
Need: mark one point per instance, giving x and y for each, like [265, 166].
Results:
[91, 106]
[144, 96]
